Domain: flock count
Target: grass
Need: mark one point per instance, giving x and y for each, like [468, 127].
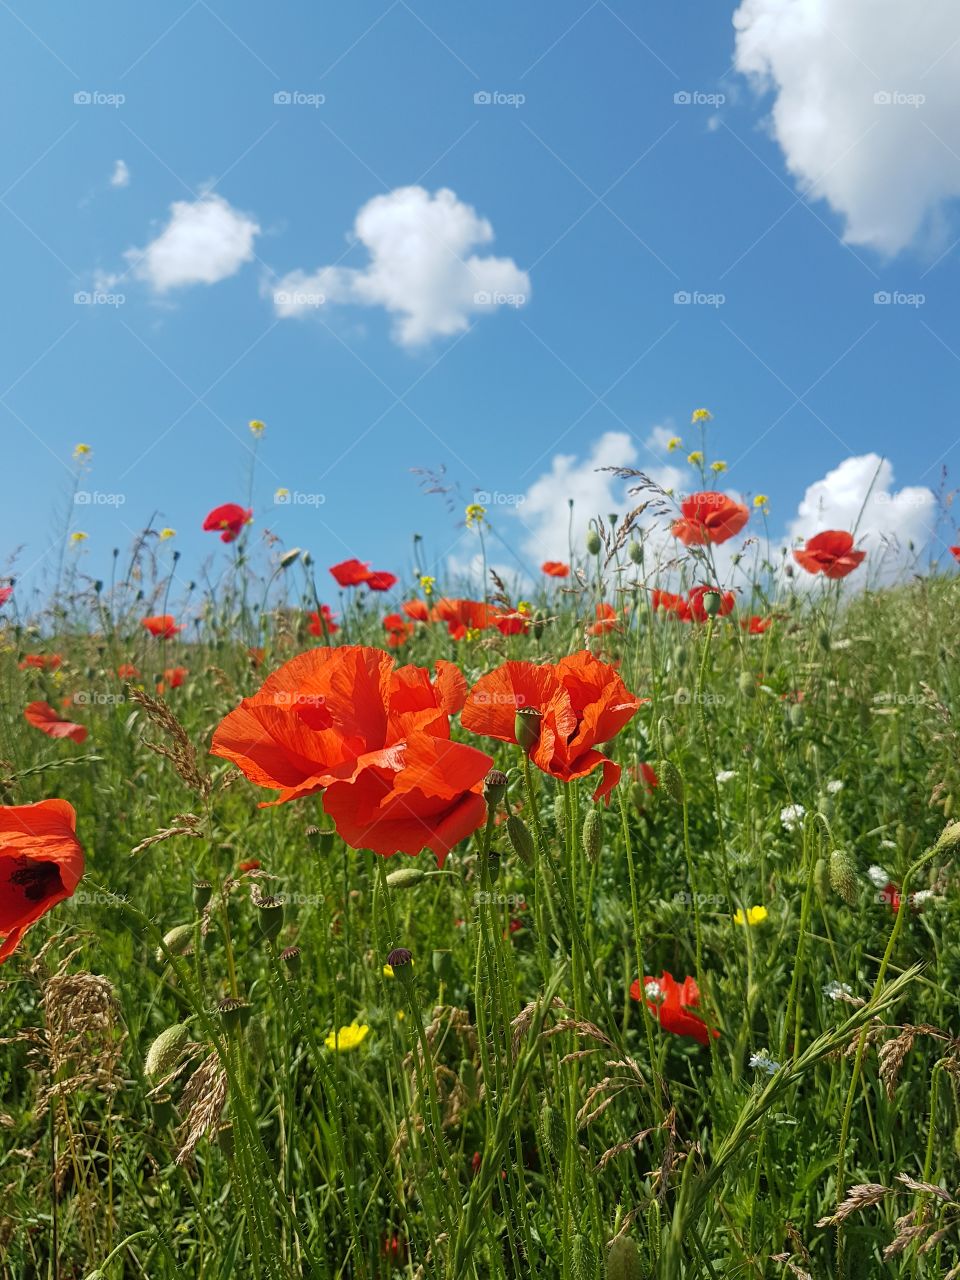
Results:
[510, 1109]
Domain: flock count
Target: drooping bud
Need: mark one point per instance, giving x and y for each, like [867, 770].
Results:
[164, 1054]
[747, 684]
[843, 875]
[405, 877]
[526, 728]
[178, 940]
[289, 557]
[592, 835]
[594, 545]
[520, 838]
[539, 623]
[666, 735]
[202, 891]
[442, 961]
[671, 779]
[494, 788]
[711, 603]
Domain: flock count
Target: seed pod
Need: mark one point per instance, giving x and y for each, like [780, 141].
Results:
[843, 875]
[594, 545]
[635, 551]
[711, 603]
[520, 838]
[270, 917]
[623, 1260]
[202, 891]
[164, 1053]
[291, 957]
[235, 1014]
[592, 835]
[526, 728]
[554, 1130]
[671, 779]
[178, 940]
[405, 877]
[494, 787]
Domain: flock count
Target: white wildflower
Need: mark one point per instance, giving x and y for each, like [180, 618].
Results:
[725, 775]
[792, 816]
[763, 1062]
[833, 786]
[837, 990]
[878, 877]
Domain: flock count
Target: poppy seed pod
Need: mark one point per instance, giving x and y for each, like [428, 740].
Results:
[623, 1260]
[494, 787]
[520, 838]
[234, 1014]
[291, 957]
[400, 961]
[202, 891]
[527, 728]
[711, 603]
[270, 917]
[635, 551]
[594, 545]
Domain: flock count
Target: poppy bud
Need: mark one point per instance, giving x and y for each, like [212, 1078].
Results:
[526, 728]
[592, 835]
[405, 877]
[178, 940]
[594, 544]
[307, 559]
[824, 641]
[442, 962]
[796, 715]
[711, 603]
[821, 878]
[494, 787]
[843, 877]
[554, 1130]
[635, 551]
[164, 1053]
[269, 917]
[671, 779]
[539, 623]
[291, 957]
[255, 1041]
[520, 838]
[234, 1014]
[665, 734]
[583, 1258]
[287, 559]
[623, 1260]
[202, 890]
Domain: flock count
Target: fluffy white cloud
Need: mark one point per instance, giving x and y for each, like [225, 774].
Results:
[121, 175]
[422, 268]
[867, 107]
[205, 241]
[861, 488]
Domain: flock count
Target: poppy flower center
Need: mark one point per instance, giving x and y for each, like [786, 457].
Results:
[36, 880]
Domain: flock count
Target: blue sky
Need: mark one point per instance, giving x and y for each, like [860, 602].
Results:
[781, 209]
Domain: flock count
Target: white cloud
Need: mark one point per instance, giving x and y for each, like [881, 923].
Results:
[887, 165]
[422, 269]
[891, 518]
[205, 241]
[121, 175]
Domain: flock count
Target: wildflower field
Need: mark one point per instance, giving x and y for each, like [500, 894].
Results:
[360, 923]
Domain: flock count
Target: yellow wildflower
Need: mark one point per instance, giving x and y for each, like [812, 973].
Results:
[166, 534]
[674, 443]
[761, 500]
[695, 458]
[348, 1037]
[718, 467]
[754, 915]
[427, 584]
[523, 606]
[701, 415]
[81, 451]
[258, 427]
[78, 537]
[474, 514]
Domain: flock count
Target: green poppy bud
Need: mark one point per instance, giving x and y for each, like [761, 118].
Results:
[164, 1054]
[594, 545]
[592, 835]
[623, 1260]
[520, 838]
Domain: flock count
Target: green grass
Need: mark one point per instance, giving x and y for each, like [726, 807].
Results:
[467, 1127]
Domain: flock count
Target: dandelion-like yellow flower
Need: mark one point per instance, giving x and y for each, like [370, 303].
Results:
[166, 534]
[473, 633]
[754, 915]
[349, 1037]
[78, 537]
[474, 514]
[81, 451]
[718, 467]
[523, 606]
[427, 583]
[258, 427]
[761, 500]
[674, 443]
[400, 1015]
[701, 415]
[695, 458]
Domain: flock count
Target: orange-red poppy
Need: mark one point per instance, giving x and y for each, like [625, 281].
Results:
[398, 630]
[228, 520]
[462, 616]
[350, 573]
[709, 517]
[555, 569]
[511, 623]
[569, 706]
[671, 1003]
[322, 623]
[250, 864]
[5, 594]
[607, 620]
[375, 738]
[955, 552]
[127, 671]
[45, 718]
[830, 553]
[379, 580]
[756, 626]
[163, 626]
[173, 678]
[41, 661]
[41, 863]
[417, 610]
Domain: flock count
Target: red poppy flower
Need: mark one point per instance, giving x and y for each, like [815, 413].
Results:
[41, 863]
[830, 553]
[41, 661]
[607, 620]
[228, 520]
[696, 606]
[555, 569]
[5, 594]
[670, 1003]
[350, 573]
[756, 626]
[256, 656]
[127, 671]
[322, 623]
[512, 624]
[670, 603]
[709, 517]
[398, 630]
[954, 551]
[645, 774]
[251, 864]
[374, 738]
[581, 702]
[163, 626]
[44, 717]
[173, 678]
[462, 616]
[417, 610]
[380, 581]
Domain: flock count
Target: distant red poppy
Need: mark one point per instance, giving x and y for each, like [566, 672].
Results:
[127, 671]
[173, 678]
[398, 630]
[45, 718]
[251, 864]
[228, 520]
[5, 594]
[41, 863]
[555, 569]
[350, 573]
[256, 656]
[462, 616]
[645, 774]
[417, 610]
[380, 581]
[954, 551]
[709, 517]
[695, 601]
[607, 620]
[322, 623]
[670, 1003]
[830, 553]
[511, 623]
[41, 661]
[756, 626]
[162, 626]
[670, 603]
[572, 706]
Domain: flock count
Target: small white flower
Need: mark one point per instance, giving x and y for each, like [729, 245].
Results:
[888, 844]
[921, 896]
[763, 1062]
[792, 816]
[652, 991]
[878, 877]
[833, 786]
[725, 775]
[835, 990]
